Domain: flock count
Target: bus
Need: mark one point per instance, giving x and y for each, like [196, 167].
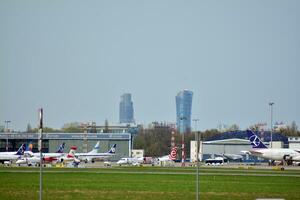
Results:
[216, 161]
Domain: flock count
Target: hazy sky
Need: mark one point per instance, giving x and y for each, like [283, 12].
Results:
[76, 58]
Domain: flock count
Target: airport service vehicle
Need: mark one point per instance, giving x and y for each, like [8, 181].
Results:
[280, 154]
[12, 156]
[93, 155]
[215, 161]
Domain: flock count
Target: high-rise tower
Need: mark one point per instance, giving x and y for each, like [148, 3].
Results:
[126, 109]
[183, 110]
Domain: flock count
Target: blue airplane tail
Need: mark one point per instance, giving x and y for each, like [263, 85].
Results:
[255, 140]
[21, 149]
[112, 149]
[61, 148]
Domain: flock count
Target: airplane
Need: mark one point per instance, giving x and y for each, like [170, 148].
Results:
[93, 155]
[234, 157]
[259, 149]
[12, 156]
[170, 157]
[70, 157]
[34, 158]
[131, 161]
[58, 153]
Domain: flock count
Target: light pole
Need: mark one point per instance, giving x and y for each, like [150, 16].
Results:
[197, 157]
[6, 123]
[271, 106]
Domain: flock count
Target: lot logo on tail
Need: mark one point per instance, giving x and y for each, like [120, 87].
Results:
[113, 149]
[254, 140]
[61, 148]
[21, 150]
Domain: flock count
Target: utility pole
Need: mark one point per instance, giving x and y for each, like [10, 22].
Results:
[6, 129]
[271, 105]
[40, 149]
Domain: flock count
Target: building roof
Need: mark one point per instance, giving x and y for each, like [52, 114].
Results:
[228, 141]
[265, 136]
[67, 136]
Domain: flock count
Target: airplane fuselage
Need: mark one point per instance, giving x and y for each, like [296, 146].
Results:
[276, 154]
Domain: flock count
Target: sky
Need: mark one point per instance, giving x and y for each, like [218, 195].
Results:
[76, 58]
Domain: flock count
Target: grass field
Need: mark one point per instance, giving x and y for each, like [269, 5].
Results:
[149, 183]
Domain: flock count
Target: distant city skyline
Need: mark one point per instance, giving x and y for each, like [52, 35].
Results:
[75, 59]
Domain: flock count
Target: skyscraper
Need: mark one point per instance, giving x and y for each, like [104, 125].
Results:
[126, 109]
[183, 110]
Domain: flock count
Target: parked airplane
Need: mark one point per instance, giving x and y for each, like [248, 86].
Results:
[34, 158]
[12, 156]
[170, 157]
[234, 157]
[93, 155]
[58, 153]
[280, 154]
[70, 157]
[131, 161]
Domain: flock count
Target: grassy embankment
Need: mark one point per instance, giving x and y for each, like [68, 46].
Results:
[19, 183]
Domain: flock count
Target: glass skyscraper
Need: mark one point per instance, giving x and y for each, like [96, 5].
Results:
[126, 109]
[183, 110]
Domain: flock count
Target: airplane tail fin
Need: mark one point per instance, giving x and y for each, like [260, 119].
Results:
[21, 149]
[112, 149]
[255, 140]
[173, 153]
[96, 148]
[61, 148]
[29, 147]
[72, 151]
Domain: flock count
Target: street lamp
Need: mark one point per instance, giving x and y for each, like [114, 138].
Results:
[271, 106]
[6, 123]
[197, 157]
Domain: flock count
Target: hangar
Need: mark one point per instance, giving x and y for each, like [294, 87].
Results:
[234, 142]
[83, 141]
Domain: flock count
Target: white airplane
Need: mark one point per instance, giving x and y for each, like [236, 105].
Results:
[279, 154]
[12, 156]
[70, 157]
[170, 157]
[131, 161]
[231, 156]
[93, 155]
[51, 157]
[30, 158]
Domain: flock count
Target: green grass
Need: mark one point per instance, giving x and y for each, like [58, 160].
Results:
[130, 183]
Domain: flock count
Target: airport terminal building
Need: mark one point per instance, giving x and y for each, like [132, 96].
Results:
[83, 141]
